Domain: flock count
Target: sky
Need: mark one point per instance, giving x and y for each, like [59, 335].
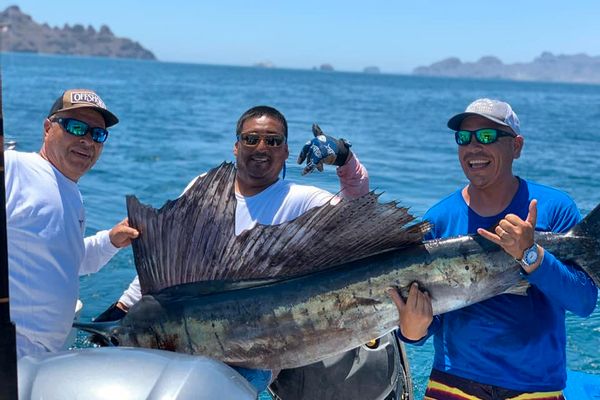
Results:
[396, 36]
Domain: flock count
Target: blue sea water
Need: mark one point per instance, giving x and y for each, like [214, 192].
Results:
[178, 120]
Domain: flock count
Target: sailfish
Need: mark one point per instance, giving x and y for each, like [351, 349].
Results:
[283, 296]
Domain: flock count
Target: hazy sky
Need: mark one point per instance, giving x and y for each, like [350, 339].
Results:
[396, 36]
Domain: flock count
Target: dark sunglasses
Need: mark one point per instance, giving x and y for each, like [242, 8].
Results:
[483, 136]
[80, 128]
[253, 139]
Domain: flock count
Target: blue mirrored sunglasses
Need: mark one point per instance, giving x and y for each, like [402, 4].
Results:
[80, 128]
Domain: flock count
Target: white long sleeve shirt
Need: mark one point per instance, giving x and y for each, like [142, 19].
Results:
[46, 251]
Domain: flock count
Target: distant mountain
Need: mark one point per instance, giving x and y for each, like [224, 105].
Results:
[578, 68]
[371, 70]
[20, 33]
[264, 64]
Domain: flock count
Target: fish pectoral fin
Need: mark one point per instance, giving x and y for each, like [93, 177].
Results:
[520, 289]
[102, 329]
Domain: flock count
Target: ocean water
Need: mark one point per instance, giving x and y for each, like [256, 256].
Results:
[178, 120]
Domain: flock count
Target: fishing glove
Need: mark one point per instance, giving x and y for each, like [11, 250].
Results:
[323, 149]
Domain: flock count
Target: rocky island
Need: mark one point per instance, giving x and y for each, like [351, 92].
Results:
[326, 67]
[372, 70]
[20, 33]
[578, 68]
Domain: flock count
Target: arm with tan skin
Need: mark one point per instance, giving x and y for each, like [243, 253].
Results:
[122, 234]
[515, 236]
[567, 285]
[102, 246]
[415, 314]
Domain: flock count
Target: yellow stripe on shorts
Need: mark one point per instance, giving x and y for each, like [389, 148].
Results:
[539, 396]
[441, 391]
[447, 391]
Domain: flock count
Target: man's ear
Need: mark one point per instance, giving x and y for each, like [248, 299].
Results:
[47, 126]
[518, 146]
[235, 148]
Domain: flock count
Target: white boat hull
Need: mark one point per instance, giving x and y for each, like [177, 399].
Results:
[128, 373]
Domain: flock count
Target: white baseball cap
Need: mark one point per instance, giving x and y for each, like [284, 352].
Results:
[494, 110]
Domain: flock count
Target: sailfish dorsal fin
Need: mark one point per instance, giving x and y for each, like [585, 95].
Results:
[183, 241]
[192, 239]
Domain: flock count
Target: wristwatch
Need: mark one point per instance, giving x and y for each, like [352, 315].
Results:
[530, 256]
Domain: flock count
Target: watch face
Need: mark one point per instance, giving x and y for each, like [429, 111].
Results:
[531, 256]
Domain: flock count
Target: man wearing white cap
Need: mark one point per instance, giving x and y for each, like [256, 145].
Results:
[46, 221]
[509, 346]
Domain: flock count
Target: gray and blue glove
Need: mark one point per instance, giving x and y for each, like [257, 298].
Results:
[323, 149]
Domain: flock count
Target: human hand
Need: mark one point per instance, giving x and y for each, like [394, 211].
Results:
[415, 314]
[515, 235]
[323, 149]
[121, 234]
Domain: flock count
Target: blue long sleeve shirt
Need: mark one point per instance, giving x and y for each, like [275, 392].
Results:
[511, 341]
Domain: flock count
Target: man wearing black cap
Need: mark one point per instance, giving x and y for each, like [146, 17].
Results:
[509, 346]
[46, 221]
[263, 197]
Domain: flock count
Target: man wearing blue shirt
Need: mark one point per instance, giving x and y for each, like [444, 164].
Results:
[509, 346]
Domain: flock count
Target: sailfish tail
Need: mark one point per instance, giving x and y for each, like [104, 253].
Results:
[589, 227]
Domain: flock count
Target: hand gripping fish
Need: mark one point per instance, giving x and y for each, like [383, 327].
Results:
[287, 295]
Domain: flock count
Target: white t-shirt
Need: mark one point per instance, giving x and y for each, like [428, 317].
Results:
[46, 251]
[281, 202]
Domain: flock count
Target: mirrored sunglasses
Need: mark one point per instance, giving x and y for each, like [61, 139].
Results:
[80, 128]
[253, 139]
[483, 136]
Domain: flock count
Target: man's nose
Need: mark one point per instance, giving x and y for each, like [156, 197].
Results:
[262, 144]
[475, 143]
[87, 139]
